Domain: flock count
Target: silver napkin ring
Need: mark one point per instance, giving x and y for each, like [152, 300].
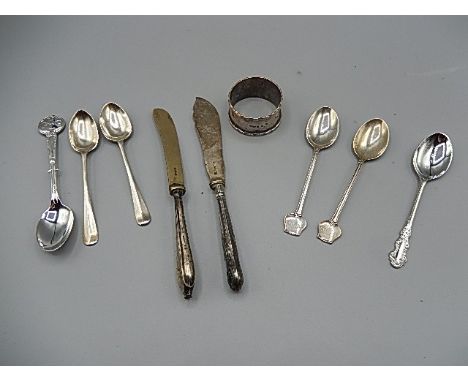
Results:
[255, 87]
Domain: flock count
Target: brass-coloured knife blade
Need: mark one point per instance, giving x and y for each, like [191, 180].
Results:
[208, 128]
[170, 141]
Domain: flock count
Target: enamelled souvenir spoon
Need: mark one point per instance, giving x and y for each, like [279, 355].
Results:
[116, 127]
[431, 160]
[55, 225]
[369, 143]
[321, 132]
[84, 137]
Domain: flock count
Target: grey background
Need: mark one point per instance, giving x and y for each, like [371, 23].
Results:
[303, 302]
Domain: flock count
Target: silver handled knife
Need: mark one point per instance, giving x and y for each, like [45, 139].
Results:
[175, 176]
[208, 127]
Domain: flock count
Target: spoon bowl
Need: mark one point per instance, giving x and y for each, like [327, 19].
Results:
[83, 132]
[371, 140]
[114, 122]
[322, 128]
[54, 226]
[433, 157]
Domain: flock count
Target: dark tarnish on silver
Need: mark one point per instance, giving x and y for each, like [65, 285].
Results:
[208, 128]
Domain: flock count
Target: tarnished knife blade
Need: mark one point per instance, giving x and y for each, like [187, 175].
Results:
[170, 142]
[208, 127]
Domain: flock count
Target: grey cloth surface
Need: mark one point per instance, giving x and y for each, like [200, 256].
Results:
[303, 302]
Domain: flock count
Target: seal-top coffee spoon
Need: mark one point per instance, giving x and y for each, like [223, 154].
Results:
[321, 132]
[56, 223]
[431, 160]
[84, 137]
[116, 127]
[369, 143]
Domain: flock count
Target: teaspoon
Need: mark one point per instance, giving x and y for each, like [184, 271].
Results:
[84, 137]
[56, 222]
[431, 160]
[369, 143]
[116, 127]
[321, 132]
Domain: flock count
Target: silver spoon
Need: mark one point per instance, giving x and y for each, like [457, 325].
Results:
[369, 143]
[321, 132]
[84, 137]
[56, 223]
[116, 127]
[431, 160]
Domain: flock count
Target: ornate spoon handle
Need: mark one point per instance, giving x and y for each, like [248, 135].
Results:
[398, 257]
[185, 268]
[233, 267]
[52, 149]
[142, 214]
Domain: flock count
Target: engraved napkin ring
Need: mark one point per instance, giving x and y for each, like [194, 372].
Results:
[255, 87]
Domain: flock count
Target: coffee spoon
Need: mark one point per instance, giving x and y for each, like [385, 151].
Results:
[55, 225]
[321, 132]
[84, 137]
[431, 160]
[116, 127]
[369, 143]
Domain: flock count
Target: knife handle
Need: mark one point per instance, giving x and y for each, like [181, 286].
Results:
[233, 267]
[185, 268]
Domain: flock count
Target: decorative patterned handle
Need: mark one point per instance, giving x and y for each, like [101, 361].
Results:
[233, 267]
[90, 231]
[142, 214]
[398, 256]
[185, 268]
[52, 150]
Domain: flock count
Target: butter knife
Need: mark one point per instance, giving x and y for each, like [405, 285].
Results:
[208, 128]
[175, 177]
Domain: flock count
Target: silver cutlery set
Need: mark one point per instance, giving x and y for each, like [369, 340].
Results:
[430, 161]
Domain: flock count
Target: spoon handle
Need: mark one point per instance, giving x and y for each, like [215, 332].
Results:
[346, 194]
[142, 214]
[398, 257]
[52, 150]
[90, 231]
[305, 188]
[185, 268]
[231, 256]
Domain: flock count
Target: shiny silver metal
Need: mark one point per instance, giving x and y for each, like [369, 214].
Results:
[116, 127]
[175, 176]
[369, 143]
[321, 132]
[208, 128]
[255, 87]
[56, 222]
[84, 137]
[431, 160]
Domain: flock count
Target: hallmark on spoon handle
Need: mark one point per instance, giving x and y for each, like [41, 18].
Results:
[398, 256]
[185, 268]
[90, 231]
[142, 214]
[233, 267]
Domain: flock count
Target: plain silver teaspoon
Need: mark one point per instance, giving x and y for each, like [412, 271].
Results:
[84, 137]
[116, 127]
[56, 223]
[321, 132]
[431, 160]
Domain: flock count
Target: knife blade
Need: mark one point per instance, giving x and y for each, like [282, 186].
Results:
[175, 177]
[170, 142]
[208, 128]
